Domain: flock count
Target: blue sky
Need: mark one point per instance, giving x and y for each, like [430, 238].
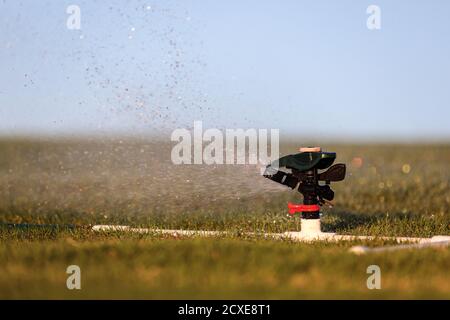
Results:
[305, 67]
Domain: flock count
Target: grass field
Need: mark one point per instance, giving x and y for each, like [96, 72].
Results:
[389, 190]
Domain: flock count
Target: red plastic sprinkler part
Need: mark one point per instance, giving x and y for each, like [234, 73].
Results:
[294, 208]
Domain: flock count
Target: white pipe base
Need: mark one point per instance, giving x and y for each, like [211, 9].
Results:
[310, 226]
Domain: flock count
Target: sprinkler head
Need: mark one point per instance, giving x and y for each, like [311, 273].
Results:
[301, 171]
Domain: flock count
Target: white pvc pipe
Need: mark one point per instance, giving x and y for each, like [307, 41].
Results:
[109, 228]
[436, 241]
[309, 234]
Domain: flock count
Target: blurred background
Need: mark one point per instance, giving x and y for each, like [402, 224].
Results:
[312, 69]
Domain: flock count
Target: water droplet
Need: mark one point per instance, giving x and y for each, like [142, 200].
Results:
[406, 168]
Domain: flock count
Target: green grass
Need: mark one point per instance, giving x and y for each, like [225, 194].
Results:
[81, 183]
[126, 266]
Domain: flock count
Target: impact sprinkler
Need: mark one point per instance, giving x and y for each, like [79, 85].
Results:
[301, 171]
